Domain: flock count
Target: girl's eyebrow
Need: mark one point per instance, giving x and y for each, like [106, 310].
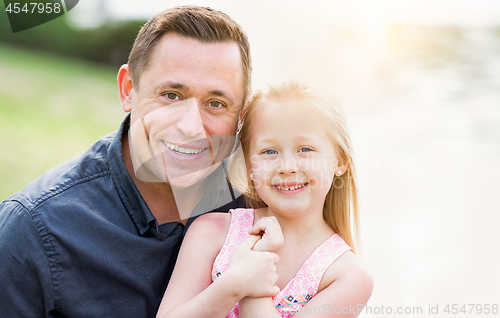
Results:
[266, 140]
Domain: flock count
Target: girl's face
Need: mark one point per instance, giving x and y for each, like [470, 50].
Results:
[292, 159]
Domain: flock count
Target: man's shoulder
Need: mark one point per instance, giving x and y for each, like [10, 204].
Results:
[91, 164]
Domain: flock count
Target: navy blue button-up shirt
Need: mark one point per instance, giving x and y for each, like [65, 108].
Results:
[80, 241]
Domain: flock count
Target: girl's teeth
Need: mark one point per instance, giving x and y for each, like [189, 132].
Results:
[291, 188]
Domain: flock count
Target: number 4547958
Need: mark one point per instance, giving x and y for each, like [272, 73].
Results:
[35, 8]
[471, 309]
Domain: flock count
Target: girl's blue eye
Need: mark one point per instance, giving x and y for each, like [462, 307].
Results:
[270, 152]
[305, 149]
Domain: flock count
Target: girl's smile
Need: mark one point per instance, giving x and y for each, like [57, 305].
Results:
[290, 188]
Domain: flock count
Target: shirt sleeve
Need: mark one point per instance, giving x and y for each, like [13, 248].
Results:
[26, 288]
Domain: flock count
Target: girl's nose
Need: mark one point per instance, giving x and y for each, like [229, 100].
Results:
[288, 166]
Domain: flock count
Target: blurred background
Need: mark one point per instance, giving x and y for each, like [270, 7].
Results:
[418, 79]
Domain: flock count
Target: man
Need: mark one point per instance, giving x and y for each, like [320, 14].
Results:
[98, 235]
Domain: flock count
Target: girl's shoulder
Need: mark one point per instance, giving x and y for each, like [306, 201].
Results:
[212, 222]
[348, 267]
[210, 227]
[217, 221]
[214, 226]
[213, 218]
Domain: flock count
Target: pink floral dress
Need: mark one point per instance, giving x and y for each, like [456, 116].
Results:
[303, 286]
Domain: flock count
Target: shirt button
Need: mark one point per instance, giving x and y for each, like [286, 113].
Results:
[143, 222]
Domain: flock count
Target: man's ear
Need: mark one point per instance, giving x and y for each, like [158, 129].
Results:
[125, 87]
[240, 122]
[240, 117]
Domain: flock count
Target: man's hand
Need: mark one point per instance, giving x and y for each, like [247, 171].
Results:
[253, 272]
[270, 230]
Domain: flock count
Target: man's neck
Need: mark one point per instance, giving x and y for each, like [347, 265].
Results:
[158, 195]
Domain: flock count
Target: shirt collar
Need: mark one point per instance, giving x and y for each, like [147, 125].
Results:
[128, 192]
[218, 192]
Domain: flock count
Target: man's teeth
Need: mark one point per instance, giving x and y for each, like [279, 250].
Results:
[290, 188]
[184, 151]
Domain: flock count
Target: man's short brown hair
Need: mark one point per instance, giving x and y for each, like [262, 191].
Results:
[200, 23]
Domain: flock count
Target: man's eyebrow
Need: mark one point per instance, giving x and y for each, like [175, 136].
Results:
[221, 94]
[218, 93]
[177, 85]
[170, 84]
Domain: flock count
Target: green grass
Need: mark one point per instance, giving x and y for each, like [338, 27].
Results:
[52, 108]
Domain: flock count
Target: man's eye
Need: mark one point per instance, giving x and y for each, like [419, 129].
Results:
[270, 152]
[172, 96]
[216, 104]
[305, 149]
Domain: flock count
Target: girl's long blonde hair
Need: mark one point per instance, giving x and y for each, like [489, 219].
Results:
[340, 209]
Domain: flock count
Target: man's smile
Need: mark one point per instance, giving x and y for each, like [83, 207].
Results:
[182, 150]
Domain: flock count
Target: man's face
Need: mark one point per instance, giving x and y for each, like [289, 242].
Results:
[185, 111]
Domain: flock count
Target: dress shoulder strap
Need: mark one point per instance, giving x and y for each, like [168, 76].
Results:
[322, 257]
[241, 222]
[305, 284]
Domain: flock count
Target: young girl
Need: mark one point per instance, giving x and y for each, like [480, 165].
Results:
[294, 254]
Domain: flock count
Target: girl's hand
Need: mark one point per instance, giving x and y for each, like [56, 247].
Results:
[252, 273]
[271, 236]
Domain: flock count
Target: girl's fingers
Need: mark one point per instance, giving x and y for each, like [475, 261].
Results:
[270, 232]
[250, 241]
[263, 224]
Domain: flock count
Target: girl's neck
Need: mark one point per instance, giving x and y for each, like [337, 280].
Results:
[296, 227]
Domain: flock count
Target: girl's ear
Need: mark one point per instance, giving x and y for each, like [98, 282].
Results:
[341, 168]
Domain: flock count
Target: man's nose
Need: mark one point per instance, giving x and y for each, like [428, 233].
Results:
[190, 122]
